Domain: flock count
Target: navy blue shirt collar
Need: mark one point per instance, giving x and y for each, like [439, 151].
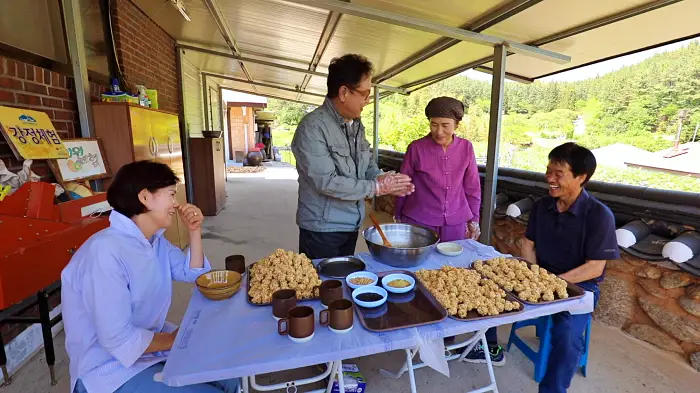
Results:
[577, 208]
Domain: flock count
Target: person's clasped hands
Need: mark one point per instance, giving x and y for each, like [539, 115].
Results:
[392, 183]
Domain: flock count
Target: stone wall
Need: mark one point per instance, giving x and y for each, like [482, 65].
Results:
[651, 301]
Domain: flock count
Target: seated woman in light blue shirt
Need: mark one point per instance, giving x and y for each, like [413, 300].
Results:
[116, 290]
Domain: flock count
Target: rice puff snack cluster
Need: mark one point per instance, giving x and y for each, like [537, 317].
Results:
[530, 282]
[283, 270]
[462, 290]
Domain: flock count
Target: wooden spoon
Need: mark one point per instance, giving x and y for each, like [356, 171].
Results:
[386, 241]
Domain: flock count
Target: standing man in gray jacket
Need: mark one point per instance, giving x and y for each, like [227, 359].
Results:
[334, 161]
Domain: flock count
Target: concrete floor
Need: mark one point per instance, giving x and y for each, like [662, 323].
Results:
[259, 217]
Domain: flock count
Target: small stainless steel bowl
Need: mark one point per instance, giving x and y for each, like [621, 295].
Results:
[411, 244]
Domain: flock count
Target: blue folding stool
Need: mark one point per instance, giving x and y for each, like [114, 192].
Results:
[543, 326]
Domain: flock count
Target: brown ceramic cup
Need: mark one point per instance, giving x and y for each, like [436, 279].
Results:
[338, 316]
[299, 323]
[235, 263]
[331, 290]
[283, 301]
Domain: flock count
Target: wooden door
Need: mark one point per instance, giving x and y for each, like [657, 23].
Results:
[142, 134]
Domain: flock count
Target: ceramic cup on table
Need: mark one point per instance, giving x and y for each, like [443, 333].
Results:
[330, 290]
[298, 325]
[283, 300]
[338, 317]
[236, 263]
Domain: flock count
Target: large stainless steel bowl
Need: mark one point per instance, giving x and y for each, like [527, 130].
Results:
[411, 244]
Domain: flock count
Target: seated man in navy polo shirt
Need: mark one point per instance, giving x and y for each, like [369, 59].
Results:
[571, 234]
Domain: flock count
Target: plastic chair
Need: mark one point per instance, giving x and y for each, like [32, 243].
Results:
[543, 326]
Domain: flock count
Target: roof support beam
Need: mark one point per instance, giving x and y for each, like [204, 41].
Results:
[323, 41]
[434, 28]
[269, 96]
[274, 65]
[205, 101]
[218, 16]
[509, 76]
[495, 117]
[630, 13]
[262, 84]
[73, 21]
[491, 18]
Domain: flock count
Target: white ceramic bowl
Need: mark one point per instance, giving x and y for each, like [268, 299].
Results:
[370, 289]
[391, 277]
[373, 276]
[450, 249]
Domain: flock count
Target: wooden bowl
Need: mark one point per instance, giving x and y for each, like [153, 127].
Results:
[219, 284]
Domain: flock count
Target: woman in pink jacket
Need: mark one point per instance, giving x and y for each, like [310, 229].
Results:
[448, 192]
[444, 172]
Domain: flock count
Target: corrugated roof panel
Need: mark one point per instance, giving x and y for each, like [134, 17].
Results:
[216, 64]
[384, 44]
[201, 30]
[462, 53]
[276, 31]
[453, 13]
[274, 28]
[270, 93]
[550, 17]
[275, 75]
[318, 85]
[666, 24]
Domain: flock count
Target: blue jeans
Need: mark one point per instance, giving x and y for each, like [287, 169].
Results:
[567, 346]
[143, 383]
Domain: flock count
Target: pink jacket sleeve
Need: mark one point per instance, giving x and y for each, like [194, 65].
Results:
[406, 169]
[472, 184]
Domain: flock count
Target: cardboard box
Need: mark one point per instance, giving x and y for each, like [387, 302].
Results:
[353, 379]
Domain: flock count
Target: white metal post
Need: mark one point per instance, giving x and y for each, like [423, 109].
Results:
[73, 22]
[375, 150]
[205, 103]
[497, 89]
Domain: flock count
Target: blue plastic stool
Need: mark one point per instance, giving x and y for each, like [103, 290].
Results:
[543, 326]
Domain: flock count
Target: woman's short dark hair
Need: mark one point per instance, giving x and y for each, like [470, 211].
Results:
[581, 160]
[348, 71]
[131, 179]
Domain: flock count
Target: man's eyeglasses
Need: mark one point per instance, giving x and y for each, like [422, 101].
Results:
[363, 93]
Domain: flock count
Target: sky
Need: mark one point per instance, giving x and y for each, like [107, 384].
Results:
[595, 70]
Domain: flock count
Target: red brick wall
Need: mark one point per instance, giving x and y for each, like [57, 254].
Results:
[146, 54]
[29, 87]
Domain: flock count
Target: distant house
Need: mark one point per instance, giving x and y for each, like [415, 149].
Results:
[684, 164]
[619, 154]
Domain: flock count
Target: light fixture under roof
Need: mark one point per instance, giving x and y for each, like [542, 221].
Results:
[181, 7]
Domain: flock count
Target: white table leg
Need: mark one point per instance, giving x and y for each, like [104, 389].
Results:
[411, 374]
[244, 382]
[334, 372]
[341, 381]
[489, 366]
[397, 374]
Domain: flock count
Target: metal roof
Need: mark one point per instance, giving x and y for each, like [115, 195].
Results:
[412, 43]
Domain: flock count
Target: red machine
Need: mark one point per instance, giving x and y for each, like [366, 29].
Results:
[37, 240]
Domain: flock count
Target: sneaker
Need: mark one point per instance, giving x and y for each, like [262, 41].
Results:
[498, 357]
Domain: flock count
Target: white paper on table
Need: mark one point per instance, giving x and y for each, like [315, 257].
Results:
[432, 353]
[586, 306]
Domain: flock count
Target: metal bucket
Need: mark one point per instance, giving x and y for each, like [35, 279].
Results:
[411, 244]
